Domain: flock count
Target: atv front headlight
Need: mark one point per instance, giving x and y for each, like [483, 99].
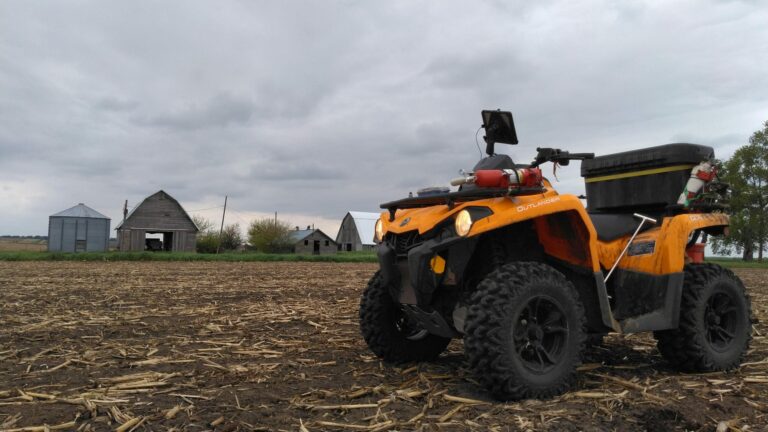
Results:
[379, 232]
[463, 223]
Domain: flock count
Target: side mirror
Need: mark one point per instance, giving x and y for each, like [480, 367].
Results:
[499, 128]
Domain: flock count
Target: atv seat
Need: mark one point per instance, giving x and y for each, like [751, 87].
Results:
[610, 226]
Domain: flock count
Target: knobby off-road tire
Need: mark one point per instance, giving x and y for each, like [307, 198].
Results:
[387, 331]
[715, 322]
[525, 332]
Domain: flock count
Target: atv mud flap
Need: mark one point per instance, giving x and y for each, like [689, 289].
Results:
[641, 301]
[646, 302]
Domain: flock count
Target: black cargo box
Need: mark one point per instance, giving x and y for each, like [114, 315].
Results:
[649, 179]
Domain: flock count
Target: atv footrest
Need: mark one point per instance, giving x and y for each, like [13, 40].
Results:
[431, 321]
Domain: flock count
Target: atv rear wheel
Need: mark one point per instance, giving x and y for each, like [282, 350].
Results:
[525, 332]
[715, 326]
[388, 332]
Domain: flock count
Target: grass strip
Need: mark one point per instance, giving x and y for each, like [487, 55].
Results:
[181, 256]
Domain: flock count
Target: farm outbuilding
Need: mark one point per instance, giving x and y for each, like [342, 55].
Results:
[356, 231]
[78, 229]
[312, 241]
[159, 222]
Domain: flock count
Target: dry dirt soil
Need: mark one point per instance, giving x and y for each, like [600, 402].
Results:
[276, 346]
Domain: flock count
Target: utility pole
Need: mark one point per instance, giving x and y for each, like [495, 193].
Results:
[221, 230]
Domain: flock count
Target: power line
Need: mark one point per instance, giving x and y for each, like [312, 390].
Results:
[209, 208]
[239, 213]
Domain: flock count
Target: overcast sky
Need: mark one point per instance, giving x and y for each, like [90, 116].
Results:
[314, 108]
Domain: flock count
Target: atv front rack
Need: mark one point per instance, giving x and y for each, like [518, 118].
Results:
[450, 199]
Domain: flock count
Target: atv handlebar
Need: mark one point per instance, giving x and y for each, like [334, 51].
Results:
[558, 156]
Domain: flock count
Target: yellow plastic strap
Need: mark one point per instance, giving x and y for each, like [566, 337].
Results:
[639, 173]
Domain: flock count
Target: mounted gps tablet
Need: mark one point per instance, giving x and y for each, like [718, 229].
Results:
[499, 128]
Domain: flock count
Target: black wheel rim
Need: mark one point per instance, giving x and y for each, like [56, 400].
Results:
[540, 334]
[720, 320]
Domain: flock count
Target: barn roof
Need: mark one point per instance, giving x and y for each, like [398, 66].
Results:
[365, 222]
[299, 235]
[80, 211]
[183, 212]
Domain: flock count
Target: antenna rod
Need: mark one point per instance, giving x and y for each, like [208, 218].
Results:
[221, 230]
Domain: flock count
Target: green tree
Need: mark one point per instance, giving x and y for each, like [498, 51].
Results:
[209, 240]
[231, 239]
[747, 173]
[270, 235]
[203, 224]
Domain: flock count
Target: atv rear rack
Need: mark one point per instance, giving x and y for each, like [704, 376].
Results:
[450, 199]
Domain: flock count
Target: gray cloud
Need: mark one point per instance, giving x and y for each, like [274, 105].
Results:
[317, 108]
[220, 111]
[110, 103]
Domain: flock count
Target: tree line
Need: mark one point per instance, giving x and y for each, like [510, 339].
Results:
[747, 174]
[263, 235]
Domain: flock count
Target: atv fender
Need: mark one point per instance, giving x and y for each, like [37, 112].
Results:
[661, 250]
[676, 231]
[562, 225]
[566, 233]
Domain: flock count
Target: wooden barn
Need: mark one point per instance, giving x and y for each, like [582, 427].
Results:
[312, 241]
[356, 231]
[157, 223]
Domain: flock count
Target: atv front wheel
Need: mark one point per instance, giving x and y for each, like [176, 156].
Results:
[525, 332]
[389, 333]
[715, 326]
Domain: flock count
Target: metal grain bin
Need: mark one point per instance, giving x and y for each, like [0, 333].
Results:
[78, 229]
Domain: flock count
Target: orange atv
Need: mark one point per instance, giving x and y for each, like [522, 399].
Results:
[526, 276]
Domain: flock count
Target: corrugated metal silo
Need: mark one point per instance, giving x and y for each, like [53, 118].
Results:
[78, 229]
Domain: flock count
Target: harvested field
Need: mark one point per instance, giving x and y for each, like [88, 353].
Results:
[275, 346]
[22, 245]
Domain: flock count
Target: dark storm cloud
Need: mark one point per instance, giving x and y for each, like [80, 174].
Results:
[316, 108]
